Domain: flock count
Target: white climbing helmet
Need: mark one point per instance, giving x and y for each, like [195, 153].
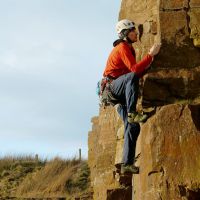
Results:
[124, 25]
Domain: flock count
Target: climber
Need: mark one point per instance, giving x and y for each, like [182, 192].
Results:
[123, 74]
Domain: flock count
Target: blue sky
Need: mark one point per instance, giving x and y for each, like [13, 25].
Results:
[52, 53]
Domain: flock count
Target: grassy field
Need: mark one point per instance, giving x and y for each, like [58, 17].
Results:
[30, 177]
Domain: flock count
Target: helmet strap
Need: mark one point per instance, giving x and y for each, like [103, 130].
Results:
[129, 40]
[125, 35]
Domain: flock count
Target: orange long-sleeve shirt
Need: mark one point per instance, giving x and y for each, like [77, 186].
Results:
[122, 60]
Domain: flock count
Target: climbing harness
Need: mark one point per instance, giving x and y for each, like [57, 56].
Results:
[103, 90]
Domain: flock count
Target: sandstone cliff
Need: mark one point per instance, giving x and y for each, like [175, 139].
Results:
[169, 142]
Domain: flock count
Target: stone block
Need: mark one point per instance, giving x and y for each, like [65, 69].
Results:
[173, 5]
[171, 86]
[195, 26]
[170, 155]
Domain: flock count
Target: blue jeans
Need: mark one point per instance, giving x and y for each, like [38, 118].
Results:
[131, 133]
[125, 88]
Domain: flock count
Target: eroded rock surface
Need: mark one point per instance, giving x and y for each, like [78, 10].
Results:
[169, 141]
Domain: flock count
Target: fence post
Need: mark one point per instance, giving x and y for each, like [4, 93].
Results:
[36, 158]
[79, 154]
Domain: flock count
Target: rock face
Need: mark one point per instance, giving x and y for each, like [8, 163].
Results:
[170, 155]
[105, 144]
[169, 141]
[101, 154]
[173, 23]
[167, 86]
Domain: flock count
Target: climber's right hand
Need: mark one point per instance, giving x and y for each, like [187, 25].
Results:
[154, 49]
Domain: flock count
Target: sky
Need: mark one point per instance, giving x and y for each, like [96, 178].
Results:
[52, 54]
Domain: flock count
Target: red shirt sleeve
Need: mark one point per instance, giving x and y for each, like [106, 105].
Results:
[130, 61]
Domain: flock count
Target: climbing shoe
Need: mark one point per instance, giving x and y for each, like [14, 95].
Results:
[136, 117]
[129, 168]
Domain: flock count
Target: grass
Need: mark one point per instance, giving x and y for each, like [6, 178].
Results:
[27, 177]
[13, 169]
[9, 161]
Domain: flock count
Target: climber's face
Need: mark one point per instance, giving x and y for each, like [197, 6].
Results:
[133, 35]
